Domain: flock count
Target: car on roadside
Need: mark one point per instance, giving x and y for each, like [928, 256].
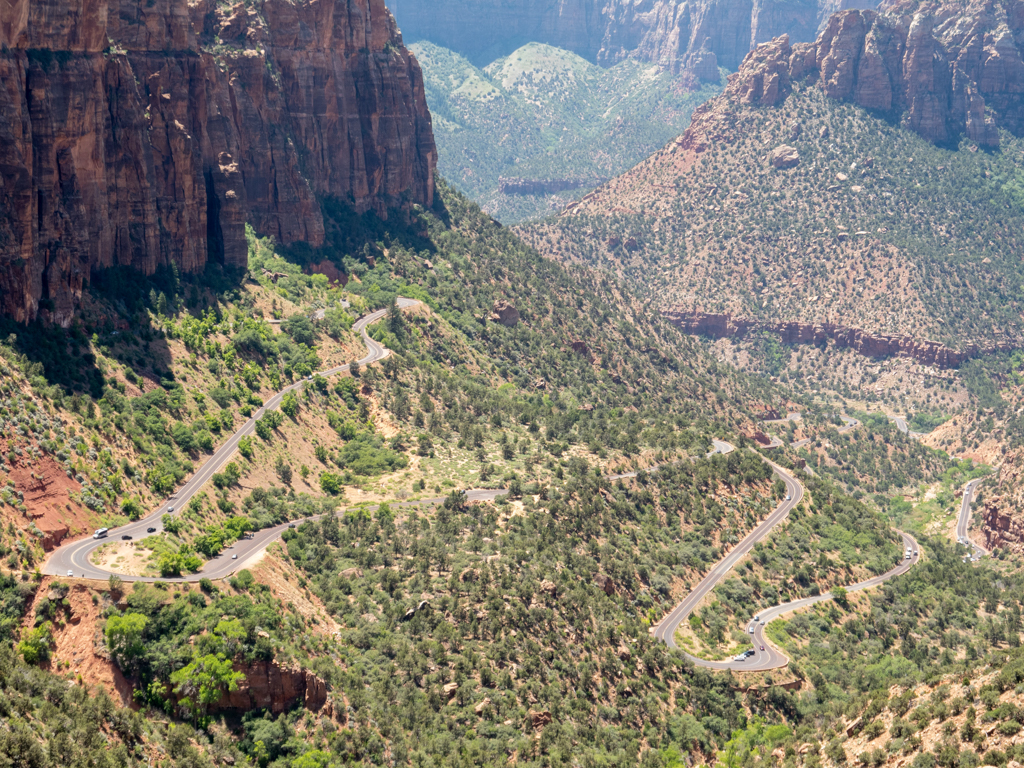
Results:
[71, 573]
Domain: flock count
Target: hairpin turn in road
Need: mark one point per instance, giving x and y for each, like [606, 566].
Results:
[770, 657]
[74, 557]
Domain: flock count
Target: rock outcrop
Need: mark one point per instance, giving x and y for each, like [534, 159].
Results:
[148, 134]
[784, 156]
[944, 71]
[504, 313]
[924, 352]
[267, 685]
[1002, 507]
[681, 35]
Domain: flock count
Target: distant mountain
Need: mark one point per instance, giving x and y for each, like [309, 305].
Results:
[813, 198]
[542, 127]
[680, 36]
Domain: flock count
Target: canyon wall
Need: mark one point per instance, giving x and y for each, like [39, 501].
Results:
[871, 345]
[677, 34]
[945, 71]
[143, 134]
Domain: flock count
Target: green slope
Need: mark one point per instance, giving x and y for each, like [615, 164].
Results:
[545, 113]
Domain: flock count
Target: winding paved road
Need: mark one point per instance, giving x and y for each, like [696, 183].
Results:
[74, 557]
[666, 628]
[770, 657]
[963, 523]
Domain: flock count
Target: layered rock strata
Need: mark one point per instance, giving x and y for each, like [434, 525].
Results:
[924, 352]
[945, 71]
[148, 134]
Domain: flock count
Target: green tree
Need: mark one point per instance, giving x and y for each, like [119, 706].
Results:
[131, 508]
[301, 329]
[124, 636]
[36, 643]
[203, 681]
[245, 447]
[841, 597]
[290, 405]
[330, 483]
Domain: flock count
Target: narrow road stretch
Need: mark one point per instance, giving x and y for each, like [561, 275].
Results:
[666, 628]
[770, 657]
[73, 558]
[963, 523]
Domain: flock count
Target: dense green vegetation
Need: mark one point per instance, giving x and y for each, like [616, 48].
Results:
[938, 625]
[456, 620]
[875, 457]
[546, 114]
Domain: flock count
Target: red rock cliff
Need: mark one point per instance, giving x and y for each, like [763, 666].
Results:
[945, 70]
[146, 134]
[863, 342]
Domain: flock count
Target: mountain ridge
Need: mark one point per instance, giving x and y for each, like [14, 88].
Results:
[680, 36]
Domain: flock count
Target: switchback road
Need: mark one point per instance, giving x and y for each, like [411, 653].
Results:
[74, 557]
[770, 657]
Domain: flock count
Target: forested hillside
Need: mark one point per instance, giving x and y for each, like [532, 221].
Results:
[871, 227]
[541, 127]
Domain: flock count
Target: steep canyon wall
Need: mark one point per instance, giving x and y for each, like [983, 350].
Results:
[690, 35]
[143, 134]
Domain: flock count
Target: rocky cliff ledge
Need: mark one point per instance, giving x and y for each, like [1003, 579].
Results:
[148, 134]
[944, 70]
[681, 35]
[868, 344]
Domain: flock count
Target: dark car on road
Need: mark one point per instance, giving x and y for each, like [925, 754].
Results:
[126, 537]
[151, 530]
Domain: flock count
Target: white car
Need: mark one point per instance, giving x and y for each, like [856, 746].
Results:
[71, 573]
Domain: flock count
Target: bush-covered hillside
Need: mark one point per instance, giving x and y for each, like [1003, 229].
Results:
[546, 114]
[874, 228]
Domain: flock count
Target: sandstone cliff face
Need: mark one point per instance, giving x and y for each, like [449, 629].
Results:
[1002, 506]
[678, 34]
[871, 345]
[148, 134]
[945, 71]
[267, 685]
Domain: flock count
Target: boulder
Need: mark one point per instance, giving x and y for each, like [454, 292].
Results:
[538, 719]
[784, 156]
[605, 583]
[504, 313]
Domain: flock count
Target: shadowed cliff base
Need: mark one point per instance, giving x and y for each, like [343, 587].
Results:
[718, 326]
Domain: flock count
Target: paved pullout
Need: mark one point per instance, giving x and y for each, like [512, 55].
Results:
[963, 523]
[74, 557]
